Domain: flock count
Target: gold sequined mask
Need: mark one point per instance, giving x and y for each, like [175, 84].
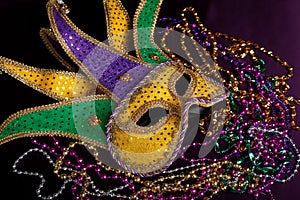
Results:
[146, 130]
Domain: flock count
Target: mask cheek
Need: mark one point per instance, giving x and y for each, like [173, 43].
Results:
[145, 152]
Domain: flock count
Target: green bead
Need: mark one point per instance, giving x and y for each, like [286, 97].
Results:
[261, 65]
[266, 88]
[272, 83]
[247, 76]
[267, 170]
[251, 156]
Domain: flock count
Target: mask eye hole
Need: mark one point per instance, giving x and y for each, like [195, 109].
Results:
[182, 84]
[152, 116]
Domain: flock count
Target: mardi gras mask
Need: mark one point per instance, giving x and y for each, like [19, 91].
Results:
[147, 129]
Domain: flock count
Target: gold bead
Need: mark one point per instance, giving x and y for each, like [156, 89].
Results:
[128, 174]
[137, 179]
[147, 183]
[83, 195]
[72, 145]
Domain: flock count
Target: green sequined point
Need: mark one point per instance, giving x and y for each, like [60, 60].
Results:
[71, 118]
[144, 24]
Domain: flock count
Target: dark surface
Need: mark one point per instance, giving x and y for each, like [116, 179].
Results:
[273, 24]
